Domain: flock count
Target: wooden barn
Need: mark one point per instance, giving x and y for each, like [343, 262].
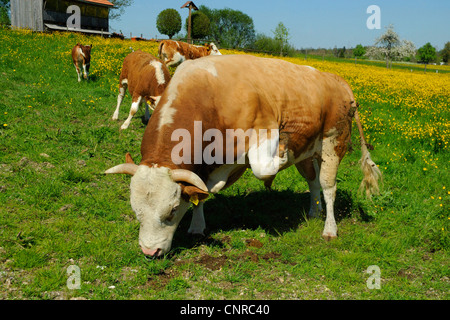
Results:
[43, 15]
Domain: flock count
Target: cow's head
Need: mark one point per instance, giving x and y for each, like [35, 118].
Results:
[212, 49]
[160, 197]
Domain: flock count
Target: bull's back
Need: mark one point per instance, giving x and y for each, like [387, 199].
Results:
[247, 90]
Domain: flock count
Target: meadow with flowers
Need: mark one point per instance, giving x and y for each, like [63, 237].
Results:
[58, 208]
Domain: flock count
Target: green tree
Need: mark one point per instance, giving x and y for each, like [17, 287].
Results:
[384, 45]
[426, 54]
[4, 12]
[168, 22]
[231, 28]
[200, 25]
[281, 34]
[269, 44]
[118, 9]
[445, 53]
[359, 51]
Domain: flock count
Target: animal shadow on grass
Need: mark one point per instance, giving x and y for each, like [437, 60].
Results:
[93, 78]
[276, 212]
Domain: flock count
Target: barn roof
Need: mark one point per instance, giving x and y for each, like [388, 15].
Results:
[100, 2]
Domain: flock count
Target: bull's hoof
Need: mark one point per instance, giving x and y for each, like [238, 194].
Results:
[329, 236]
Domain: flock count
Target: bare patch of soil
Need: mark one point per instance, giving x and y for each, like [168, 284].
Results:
[212, 263]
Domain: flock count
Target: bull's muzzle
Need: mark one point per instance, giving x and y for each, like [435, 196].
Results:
[152, 252]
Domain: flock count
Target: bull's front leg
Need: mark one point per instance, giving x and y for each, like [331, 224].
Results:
[198, 224]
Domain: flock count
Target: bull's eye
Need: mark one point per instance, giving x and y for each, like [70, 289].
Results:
[171, 215]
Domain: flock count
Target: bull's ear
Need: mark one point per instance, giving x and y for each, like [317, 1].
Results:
[193, 194]
[128, 158]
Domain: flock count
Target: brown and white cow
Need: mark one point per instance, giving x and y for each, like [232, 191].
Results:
[146, 77]
[175, 52]
[308, 112]
[81, 55]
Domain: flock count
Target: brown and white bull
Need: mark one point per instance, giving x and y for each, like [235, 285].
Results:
[175, 52]
[146, 78]
[309, 114]
[81, 56]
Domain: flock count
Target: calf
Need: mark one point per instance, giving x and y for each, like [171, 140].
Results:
[146, 77]
[81, 55]
[175, 52]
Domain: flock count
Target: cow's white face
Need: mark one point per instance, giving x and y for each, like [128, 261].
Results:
[156, 200]
[214, 50]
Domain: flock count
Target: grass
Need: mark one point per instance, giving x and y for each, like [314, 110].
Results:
[58, 209]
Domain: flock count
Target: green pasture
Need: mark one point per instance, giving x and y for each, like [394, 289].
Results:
[58, 209]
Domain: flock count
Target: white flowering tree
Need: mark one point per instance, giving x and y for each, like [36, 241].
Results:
[389, 47]
[405, 49]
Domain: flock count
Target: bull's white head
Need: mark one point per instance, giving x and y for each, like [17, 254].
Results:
[213, 51]
[160, 201]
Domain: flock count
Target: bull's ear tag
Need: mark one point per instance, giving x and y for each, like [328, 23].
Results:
[194, 199]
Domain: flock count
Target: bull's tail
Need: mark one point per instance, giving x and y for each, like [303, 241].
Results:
[370, 170]
[160, 49]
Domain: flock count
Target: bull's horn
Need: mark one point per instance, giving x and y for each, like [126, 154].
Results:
[188, 176]
[126, 168]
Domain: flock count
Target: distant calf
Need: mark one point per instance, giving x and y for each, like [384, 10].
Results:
[146, 78]
[81, 55]
[175, 52]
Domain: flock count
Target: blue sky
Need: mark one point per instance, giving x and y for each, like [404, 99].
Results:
[312, 23]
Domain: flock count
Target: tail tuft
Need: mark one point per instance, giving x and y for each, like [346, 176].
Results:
[371, 175]
[370, 170]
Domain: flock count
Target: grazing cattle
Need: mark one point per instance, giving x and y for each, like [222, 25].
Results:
[81, 55]
[175, 52]
[308, 112]
[146, 77]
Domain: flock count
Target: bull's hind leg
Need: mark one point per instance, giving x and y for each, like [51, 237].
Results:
[122, 89]
[134, 108]
[78, 71]
[328, 173]
[309, 169]
[86, 73]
